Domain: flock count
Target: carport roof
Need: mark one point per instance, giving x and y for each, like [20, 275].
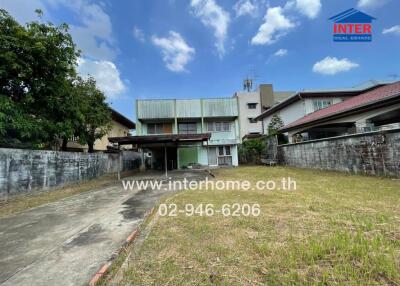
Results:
[163, 138]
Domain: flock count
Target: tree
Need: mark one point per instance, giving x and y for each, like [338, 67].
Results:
[275, 124]
[251, 150]
[37, 66]
[96, 112]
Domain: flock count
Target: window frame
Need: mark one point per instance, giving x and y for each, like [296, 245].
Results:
[219, 126]
[226, 157]
[158, 128]
[319, 104]
[252, 105]
[187, 130]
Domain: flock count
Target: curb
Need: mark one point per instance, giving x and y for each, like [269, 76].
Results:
[106, 267]
[210, 173]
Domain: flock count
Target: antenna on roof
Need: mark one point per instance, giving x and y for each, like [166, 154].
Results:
[247, 84]
[250, 79]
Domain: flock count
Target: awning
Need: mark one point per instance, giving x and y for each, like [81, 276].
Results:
[164, 138]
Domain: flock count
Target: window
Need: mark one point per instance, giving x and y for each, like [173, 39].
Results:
[251, 120]
[187, 128]
[319, 104]
[224, 150]
[218, 126]
[151, 128]
[224, 155]
[252, 105]
[159, 128]
[226, 126]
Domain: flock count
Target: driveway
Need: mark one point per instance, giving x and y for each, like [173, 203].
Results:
[66, 242]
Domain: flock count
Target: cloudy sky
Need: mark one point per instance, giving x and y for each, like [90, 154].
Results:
[204, 48]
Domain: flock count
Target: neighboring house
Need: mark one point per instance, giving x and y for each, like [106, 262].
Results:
[249, 108]
[186, 133]
[252, 104]
[120, 126]
[374, 110]
[305, 102]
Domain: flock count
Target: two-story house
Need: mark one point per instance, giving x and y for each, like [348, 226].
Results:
[186, 133]
[120, 126]
[307, 102]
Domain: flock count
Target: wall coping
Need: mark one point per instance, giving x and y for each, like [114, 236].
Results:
[395, 130]
[46, 150]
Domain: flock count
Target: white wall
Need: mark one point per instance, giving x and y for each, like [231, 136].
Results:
[245, 113]
[235, 160]
[288, 114]
[297, 110]
[309, 102]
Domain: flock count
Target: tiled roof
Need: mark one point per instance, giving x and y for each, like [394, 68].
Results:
[337, 92]
[366, 98]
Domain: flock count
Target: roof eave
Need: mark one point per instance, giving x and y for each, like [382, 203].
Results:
[118, 117]
[356, 110]
[305, 94]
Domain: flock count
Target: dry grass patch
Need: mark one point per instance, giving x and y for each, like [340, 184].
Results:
[334, 229]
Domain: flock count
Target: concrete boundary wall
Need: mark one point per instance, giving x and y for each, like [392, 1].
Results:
[29, 170]
[374, 153]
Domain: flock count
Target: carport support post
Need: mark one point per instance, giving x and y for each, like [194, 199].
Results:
[208, 158]
[119, 163]
[165, 159]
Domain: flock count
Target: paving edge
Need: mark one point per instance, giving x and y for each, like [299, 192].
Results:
[130, 239]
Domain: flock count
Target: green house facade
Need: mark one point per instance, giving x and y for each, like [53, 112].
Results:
[218, 118]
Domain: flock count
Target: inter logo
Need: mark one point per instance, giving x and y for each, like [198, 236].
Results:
[352, 26]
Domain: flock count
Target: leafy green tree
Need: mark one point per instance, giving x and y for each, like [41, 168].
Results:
[37, 66]
[275, 124]
[96, 112]
[252, 150]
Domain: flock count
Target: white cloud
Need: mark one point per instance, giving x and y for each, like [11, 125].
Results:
[281, 53]
[212, 15]
[332, 66]
[309, 8]
[392, 30]
[176, 52]
[245, 7]
[105, 73]
[275, 26]
[138, 34]
[92, 33]
[22, 10]
[365, 4]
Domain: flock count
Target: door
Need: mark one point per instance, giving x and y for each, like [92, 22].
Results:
[212, 156]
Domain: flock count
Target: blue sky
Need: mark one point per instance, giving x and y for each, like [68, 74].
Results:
[204, 48]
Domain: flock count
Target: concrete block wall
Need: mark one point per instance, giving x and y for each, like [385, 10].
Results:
[374, 153]
[30, 170]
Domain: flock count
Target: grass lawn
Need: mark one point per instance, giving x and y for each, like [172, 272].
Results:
[335, 229]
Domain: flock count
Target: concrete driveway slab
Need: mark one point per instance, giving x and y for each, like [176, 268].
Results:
[66, 242]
